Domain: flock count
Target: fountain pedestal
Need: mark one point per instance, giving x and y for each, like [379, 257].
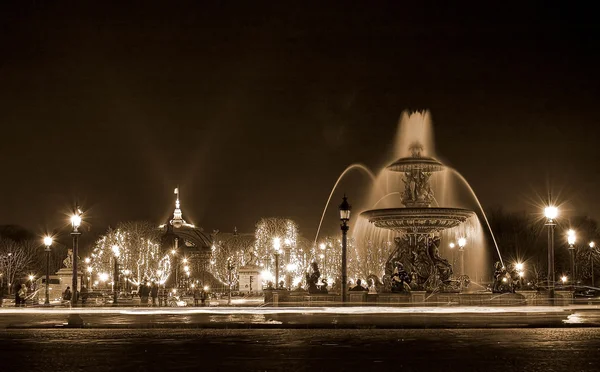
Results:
[417, 250]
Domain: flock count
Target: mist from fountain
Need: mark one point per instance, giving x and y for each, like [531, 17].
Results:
[466, 183]
[385, 193]
[417, 128]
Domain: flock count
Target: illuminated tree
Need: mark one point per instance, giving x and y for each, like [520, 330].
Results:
[15, 259]
[230, 252]
[369, 257]
[139, 252]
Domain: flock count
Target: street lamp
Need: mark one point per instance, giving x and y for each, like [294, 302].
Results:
[564, 279]
[451, 246]
[592, 246]
[461, 248]
[48, 244]
[127, 272]
[276, 247]
[571, 240]
[117, 253]
[89, 278]
[551, 213]
[75, 222]
[345, 209]
[229, 280]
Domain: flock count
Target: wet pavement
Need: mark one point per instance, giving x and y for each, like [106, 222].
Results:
[489, 350]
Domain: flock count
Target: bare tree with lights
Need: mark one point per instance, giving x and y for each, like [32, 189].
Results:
[140, 253]
[15, 259]
[230, 252]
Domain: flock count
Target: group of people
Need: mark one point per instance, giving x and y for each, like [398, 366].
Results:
[21, 296]
[148, 291]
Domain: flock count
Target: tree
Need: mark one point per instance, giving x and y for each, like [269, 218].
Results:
[369, 257]
[139, 252]
[15, 259]
[230, 252]
[267, 229]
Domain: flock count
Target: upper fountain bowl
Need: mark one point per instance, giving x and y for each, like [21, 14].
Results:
[423, 164]
[417, 220]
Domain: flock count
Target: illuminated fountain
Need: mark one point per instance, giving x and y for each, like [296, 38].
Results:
[419, 224]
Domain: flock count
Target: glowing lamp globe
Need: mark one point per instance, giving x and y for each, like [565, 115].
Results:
[519, 267]
[571, 236]
[462, 242]
[76, 221]
[592, 244]
[452, 245]
[345, 209]
[48, 241]
[551, 212]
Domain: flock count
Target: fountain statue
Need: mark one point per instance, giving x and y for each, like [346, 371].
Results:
[312, 279]
[416, 261]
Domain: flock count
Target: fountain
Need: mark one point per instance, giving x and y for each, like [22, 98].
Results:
[417, 249]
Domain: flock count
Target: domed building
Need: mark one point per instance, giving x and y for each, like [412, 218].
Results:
[190, 248]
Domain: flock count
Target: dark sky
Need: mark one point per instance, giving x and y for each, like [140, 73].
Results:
[255, 110]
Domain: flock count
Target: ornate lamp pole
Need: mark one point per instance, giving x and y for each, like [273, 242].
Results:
[276, 247]
[571, 240]
[48, 244]
[461, 248]
[75, 222]
[229, 280]
[117, 253]
[288, 252]
[551, 213]
[592, 246]
[344, 218]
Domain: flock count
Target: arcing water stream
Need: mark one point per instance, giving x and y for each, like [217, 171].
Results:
[348, 169]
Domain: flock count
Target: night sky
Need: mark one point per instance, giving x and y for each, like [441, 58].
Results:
[255, 110]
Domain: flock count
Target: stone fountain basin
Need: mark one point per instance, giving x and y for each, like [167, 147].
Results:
[423, 220]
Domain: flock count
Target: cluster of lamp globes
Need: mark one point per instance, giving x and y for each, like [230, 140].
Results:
[462, 241]
[551, 213]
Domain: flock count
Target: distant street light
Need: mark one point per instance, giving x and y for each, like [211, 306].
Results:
[48, 244]
[592, 246]
[571, 240]
[461, 248]
[551, 213]
[75, 222]
[564, 279]
[117, 253]
[277, 247]
[345, 209]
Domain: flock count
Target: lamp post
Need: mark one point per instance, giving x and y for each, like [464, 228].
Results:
[229, 280]
[276, 247]
[344, 218]
[48, 244]
[288, 259]
[127, 272]
[117, 253]
[451, 246]
[89, 278]
[461, 248]
[75, 222]
[571, 240]
[592, 246]
[551, 213]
